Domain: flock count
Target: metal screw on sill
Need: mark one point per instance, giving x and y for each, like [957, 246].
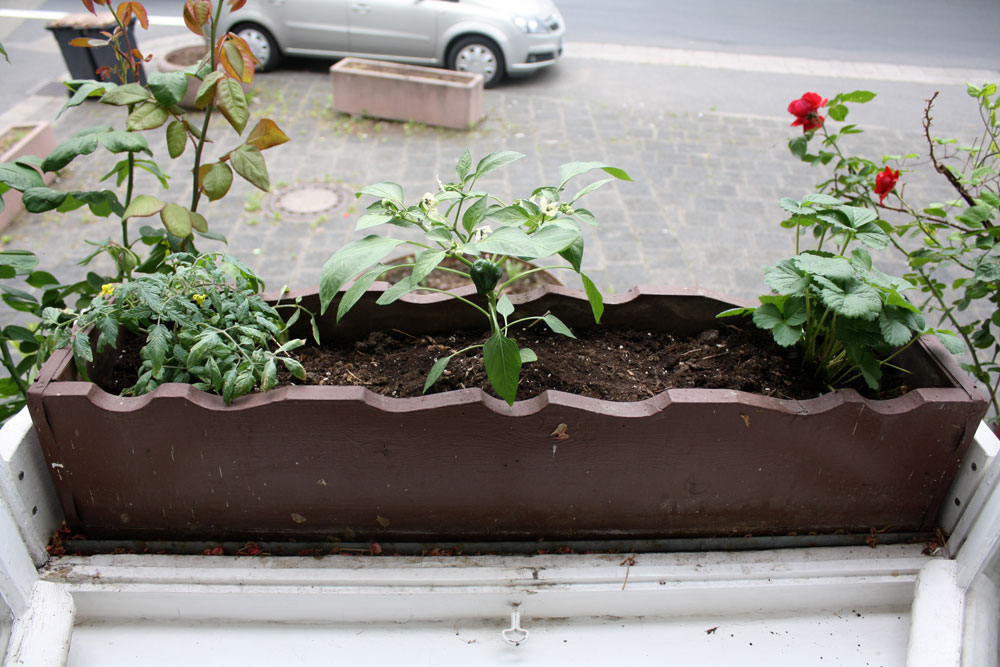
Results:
[515, 635]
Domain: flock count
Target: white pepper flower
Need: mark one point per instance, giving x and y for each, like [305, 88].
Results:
[428, 202]
[551, 210]
[481, 233]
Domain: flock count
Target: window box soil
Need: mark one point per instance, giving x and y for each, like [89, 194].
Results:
[345, 463]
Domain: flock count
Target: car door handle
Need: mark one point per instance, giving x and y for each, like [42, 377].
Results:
[361, 8]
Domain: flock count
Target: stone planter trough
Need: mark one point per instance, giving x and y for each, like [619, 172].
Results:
[28, 139]
[407, 92]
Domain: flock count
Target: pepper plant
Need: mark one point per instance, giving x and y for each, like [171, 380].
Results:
[952, 247]
[226, 66]
[847, 318]
[203, 320]
[545, 224]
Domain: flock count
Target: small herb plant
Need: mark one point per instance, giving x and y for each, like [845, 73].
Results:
[847, 318]
[952, 246]
[203, 321]
[540, 226]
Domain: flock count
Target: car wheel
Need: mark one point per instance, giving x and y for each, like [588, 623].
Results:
[261, 44]
[479, 55]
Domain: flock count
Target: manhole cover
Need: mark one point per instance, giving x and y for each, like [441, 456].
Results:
[307, 201]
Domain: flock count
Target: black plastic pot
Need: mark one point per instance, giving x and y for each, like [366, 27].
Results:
[81, 62]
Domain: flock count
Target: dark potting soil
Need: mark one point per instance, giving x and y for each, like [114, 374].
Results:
[610, 363]
[603, 362]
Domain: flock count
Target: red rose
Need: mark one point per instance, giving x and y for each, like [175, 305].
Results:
[885, 182]
[804, 110]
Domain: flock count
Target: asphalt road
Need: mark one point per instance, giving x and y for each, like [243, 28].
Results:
[956, 33]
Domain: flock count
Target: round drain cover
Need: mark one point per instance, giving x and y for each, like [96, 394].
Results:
[307, 201]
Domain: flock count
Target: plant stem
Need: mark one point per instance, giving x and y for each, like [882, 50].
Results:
[8, 363]
[455, 296]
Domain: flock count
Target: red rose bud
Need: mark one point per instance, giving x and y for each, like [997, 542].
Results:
[805, 111]
[885, 181]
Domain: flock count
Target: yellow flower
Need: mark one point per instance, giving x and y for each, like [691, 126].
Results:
[107, 289]
[199, 298]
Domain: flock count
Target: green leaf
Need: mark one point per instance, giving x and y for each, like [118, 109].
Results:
[249, 163]
[167, 87]
[38, 278]
[594, 296]
[574, 254]
[147, 116]
[206, 91]
[872, 236]
[799, 146]
[894, 327]
[177, 220]
[39, 200]
[554, 237]
[350, 260]
[232, 102]
[83, 143]
[953, 343]
[143, 206]
[176, 139]
[132, 93]
[438, 368]
[590, 188]
[504, 306]
[20, 177]
[125, 142]
[385, 190]
[821, 199]
[81, 348]
[503, 366]
[426, 262]
[441, 235]
[21, 261]
[510, 241]
[294, 367]
[786, 278]
[158, 344]
[201, 350]
[854, 299]
[404, 286]
[771, 318]
[527, 355]
[357, 290]
[793, 206]
[495, 161]
[509, 215]
[462, 169]
[736, 312]
[216, 180]
[838, 112]
[833, 267]
[858, 96]
[475, 214]
[557, 325]
[571, 170]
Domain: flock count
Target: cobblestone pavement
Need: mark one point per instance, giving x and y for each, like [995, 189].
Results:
[702, 210]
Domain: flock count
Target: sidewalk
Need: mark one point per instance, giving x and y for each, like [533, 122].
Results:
[702, 210]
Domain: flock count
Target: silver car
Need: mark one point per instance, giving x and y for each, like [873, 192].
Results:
[492, 37]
